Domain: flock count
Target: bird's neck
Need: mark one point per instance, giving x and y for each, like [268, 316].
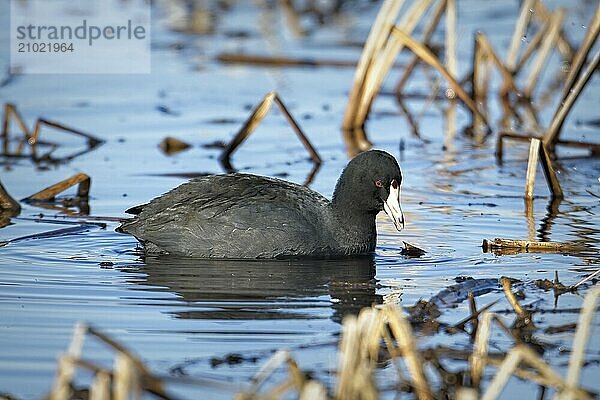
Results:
[357, 226]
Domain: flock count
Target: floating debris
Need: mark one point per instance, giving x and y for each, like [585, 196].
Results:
[499, 245]
[412, 251]
[170, 145]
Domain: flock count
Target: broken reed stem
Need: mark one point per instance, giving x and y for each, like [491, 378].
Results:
[512, 299]
[92, 141]
[7, 202]
[554, 24]
[537, 150]
[553, 132]
[48, 194]
[474, 313]
[10, 111]
[428, 57]
[257, 115]
[309, 147]
[534, 153]
[520, 29]
[377, 36]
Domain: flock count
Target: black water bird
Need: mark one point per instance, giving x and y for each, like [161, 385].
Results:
[243, 216]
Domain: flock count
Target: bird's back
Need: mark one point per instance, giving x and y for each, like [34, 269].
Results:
[235, 216]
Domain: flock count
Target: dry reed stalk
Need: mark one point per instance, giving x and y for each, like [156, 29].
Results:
[377, 37]
[92, 140]
[452, 66]
[587, 278]
[292, 18]
[507, 77]
[428, 57]
[534, 153]
[478, 359]
[473, 310]
[553, 132]
[355, 375]
[465, 393]
[550, 39]
[66, 367]
[519, 32]
[10, 110]
[280, 357]
[580, 342]
[474, 317]
[48, 194]
[543, 15]
[532, 46]
[7, 202]
[580, 57]
[529, 216]
[126, 380]
[385, 59]
[100, 387]
[403, 335]
[257, 115]
[510, 363]
[309, 147]
[425, 38]
[523, 315]
[313, 390]
[274, 61]
[537, 152]
[150, 383]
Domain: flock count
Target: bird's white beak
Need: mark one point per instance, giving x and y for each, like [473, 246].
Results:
[391, 206]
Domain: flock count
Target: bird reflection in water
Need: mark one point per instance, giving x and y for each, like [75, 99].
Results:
[264, 289]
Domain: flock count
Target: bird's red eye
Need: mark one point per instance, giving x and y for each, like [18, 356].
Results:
[394, 184]
[378, 183]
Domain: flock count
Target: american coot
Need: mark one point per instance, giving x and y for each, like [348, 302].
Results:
[249, 216]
